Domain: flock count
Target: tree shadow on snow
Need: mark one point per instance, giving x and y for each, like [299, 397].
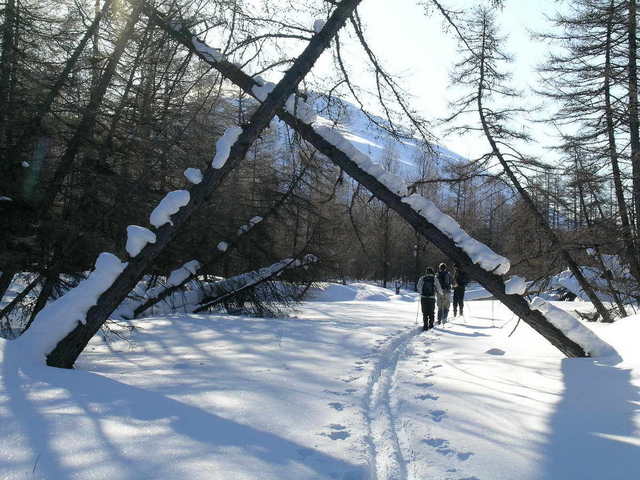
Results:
[593, 433]
[101, 400]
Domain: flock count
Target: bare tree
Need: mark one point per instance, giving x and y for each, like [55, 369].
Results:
[480, 72]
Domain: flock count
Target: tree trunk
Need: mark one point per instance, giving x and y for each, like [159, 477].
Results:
[6, 66]
[551, 235]
[634, 127]
[493, 283]
[67, 350]
[627, 232]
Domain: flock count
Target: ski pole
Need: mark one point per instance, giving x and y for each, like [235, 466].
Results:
[418, 311]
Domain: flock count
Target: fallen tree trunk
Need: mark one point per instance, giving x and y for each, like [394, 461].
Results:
[220, 254]
[493, 283]
[229, 287]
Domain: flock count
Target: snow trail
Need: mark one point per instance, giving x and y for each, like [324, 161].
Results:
[386, 459]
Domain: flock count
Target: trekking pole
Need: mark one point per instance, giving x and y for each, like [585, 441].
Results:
[418, 311]
[492, 319]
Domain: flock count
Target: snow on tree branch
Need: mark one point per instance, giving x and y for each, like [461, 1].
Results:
[180, 275]
[61, 316]
[572, 328]
[169, 205]
[137, 239]
[194, 175]
[515, 286]
[223, 146]
[234, 285]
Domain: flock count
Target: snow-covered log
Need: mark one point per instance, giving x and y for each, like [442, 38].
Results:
[232, 286]
[386, 190]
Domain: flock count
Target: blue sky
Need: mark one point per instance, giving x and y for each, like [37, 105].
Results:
[417, 48]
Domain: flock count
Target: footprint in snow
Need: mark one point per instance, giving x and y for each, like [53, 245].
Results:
[347, 391]
[427, 396]
[437, 415]
[443, 447]
[339, 432]
[424, 385]
[495, 351]
[337, 406]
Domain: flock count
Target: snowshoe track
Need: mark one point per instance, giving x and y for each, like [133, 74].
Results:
[386, 459]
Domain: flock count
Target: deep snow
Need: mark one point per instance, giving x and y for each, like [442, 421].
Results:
[346, 388]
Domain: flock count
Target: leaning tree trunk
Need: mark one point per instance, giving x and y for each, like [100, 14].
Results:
[634, 124]
[67, 349]
[631, 252]
[493, 283]
[542, 222]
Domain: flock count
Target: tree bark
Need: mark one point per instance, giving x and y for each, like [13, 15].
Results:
[493, 283]
[634, 126]
[67, 350]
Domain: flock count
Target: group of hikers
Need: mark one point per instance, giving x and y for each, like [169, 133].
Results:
[437, 287]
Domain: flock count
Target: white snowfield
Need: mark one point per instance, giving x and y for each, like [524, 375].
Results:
[346, 388]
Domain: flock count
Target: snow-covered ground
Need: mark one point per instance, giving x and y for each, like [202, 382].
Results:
[346, 388]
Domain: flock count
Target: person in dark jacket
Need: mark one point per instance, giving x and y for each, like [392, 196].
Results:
[444, 298]
[460, 281]
[428, 287]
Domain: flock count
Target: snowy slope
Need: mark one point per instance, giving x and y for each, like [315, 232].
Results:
[347, 388]
[407, 154]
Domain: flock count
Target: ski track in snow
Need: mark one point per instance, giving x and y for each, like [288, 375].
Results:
[386, 459]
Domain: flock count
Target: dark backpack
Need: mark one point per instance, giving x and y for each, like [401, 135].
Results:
[461, 278]
[428, 286]
[445, 280]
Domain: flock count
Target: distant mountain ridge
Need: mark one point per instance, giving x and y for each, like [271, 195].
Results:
[408, 155]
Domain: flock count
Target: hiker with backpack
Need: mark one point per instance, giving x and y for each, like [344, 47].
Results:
[444, 298]
[428, 287]
[460, 281]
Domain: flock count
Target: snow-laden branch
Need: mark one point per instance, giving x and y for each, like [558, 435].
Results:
[168, 206]
[234, 285]
[574, 329]
[137, 239]
[61, 316]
